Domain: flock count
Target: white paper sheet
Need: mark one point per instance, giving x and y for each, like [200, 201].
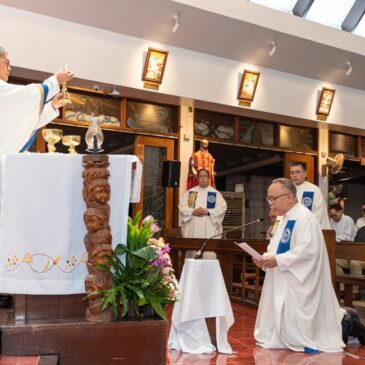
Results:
[249, 250]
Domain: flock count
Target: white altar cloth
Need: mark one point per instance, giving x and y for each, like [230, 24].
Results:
[42, 229]
[203, 295]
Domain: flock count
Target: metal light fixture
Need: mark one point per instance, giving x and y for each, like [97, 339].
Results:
[273, 48]
[349, 68]
[177, 19]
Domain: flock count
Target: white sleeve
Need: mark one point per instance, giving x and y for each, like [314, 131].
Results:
[53, 87]
[47, 115]
[184, 209]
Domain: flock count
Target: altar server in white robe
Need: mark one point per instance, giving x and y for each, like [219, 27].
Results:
[26, 108]
[298, 308]
[202, 209]
[309, 194]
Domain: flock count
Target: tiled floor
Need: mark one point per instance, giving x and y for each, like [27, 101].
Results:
[242, 342]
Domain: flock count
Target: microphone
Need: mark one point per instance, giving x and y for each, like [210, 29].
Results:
[199, 254]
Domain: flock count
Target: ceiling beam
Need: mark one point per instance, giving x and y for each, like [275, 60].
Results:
[302, 7]
[354, 16]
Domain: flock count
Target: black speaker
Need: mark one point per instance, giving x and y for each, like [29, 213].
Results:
[171, 174]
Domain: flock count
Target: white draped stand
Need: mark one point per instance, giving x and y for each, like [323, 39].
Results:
[203, 295]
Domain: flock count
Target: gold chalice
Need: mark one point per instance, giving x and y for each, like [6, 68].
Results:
[71, 142]
[51, 136]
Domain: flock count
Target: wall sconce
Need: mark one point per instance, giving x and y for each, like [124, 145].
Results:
[248, 86]
[273, 48]
[325, 103]
[154, 68]
[349, 68]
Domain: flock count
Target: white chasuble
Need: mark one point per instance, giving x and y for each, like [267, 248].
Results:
[205, 226]
[22, 112]
[311, 196]
[298, 307]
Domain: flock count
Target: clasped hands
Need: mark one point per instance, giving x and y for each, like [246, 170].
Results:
[267, 262]
[200, 212]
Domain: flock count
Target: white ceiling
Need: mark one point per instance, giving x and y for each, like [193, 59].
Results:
[209, 32]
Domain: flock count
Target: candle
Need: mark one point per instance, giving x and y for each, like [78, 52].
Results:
[66, 65]
[95, 150]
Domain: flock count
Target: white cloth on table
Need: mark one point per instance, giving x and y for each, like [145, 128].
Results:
[22, 112]
[319, 205]
[298, 306]
[205, 226]
[203, 295]
[42, 229]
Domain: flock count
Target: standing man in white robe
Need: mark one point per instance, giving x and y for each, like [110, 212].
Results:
[202, 209]
[26, 108]
[309, 194]
[298, 308]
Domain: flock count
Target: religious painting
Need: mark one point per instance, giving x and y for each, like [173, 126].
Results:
[248, 85]
[154, 66]
[325, 101]
[299, 139]
[214, 125]
[153, 117]
[257, 133]
[84, 105]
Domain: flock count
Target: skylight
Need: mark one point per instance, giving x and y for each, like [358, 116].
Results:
[282, 5]
[331, 13]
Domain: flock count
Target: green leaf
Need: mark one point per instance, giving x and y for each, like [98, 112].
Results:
[156, 305]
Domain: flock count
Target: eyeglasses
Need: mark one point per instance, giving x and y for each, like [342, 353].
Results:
[271, 199]
[297, 172]
[7, 62]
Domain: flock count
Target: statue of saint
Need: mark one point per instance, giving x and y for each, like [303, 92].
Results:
[201, 159]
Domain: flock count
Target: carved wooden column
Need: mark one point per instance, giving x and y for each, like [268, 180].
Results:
[98, 240]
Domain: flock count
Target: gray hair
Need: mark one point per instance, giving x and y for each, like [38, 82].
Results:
[287, 184]
[3, 51]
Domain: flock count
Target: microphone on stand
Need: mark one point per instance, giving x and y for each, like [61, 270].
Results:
[199, 254]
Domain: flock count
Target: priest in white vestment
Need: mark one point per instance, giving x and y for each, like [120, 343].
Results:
[202, 209]
[26, 108]
[298, 308]
[309, 194]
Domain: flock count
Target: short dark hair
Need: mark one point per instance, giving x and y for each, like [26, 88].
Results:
[303, 165]
[336, 207]
[203, 170]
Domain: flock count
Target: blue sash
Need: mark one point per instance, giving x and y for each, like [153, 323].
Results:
[35, 134]
[284, 244]
[307, 199]
[211, 199]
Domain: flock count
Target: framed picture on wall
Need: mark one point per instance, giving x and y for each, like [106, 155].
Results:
[325, 102]
[154, 66]
[248, 86]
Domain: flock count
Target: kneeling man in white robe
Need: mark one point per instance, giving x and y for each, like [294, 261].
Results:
[202, 209]
[298, 308]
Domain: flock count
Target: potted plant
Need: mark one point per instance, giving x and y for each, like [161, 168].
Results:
[141, 272]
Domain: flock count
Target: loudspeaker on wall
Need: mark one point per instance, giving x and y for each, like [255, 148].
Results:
[171, 173]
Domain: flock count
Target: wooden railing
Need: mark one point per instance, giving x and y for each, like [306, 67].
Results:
[242, 278]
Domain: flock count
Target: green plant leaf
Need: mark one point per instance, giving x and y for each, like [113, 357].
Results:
[156, 305]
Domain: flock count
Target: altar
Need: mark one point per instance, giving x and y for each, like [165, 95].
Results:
[41, 219]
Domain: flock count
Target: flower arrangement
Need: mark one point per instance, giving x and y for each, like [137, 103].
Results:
[144, 275]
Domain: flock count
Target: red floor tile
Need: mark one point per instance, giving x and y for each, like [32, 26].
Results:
[243, 343]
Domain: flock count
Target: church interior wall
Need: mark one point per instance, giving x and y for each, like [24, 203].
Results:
[44, 43]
